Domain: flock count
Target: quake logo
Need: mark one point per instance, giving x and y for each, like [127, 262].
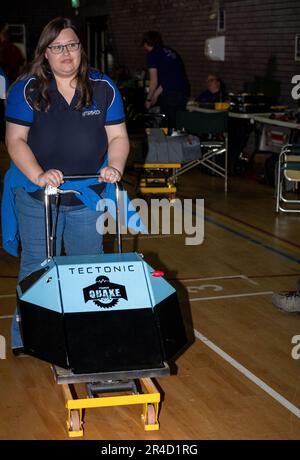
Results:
[104, 293]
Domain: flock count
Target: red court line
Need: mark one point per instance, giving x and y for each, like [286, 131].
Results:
[9, 276]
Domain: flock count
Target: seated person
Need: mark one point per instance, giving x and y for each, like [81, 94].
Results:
[215, 91]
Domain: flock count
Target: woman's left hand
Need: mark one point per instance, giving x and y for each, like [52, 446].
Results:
[110, 174]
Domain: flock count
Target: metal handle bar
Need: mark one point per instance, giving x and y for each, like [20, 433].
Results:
[81, 176]
[47, 208]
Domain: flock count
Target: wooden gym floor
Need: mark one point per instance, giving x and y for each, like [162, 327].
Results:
[237, 379]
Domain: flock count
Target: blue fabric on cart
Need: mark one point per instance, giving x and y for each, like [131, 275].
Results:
[14, 178]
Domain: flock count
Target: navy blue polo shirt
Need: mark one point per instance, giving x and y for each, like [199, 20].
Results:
[169, 67]
[73, 141]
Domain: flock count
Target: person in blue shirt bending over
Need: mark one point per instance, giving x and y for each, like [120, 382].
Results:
[62, 118]
[167, 77]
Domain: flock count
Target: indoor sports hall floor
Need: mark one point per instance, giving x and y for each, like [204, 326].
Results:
[237, 379]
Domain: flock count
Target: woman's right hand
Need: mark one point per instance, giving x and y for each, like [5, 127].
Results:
[52, 177]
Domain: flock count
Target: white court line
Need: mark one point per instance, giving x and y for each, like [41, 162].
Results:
[249, 280]
[214, 278]
[4, 296]
[244, 277]
[230, 296]
[6, 317]
[278, 397]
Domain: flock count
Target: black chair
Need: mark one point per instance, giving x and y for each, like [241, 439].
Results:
[211, 128]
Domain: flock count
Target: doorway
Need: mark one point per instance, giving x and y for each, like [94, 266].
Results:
[98, 49]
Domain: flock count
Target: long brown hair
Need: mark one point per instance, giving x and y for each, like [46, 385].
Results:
[40, 67]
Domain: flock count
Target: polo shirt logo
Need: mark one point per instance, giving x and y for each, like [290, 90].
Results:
[90, 113]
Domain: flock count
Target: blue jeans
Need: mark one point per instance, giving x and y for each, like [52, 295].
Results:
[76, 227]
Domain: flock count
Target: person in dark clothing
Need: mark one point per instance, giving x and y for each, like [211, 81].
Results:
[215, 91]
[3, 91]
[167, 78]
[11, 57]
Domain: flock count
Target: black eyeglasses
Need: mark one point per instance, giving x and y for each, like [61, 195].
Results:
[58, 49]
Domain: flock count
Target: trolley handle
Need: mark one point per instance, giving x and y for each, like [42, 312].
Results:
[49, 190]
[81, 176]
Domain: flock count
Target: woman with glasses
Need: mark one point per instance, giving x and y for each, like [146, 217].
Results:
[62, 118]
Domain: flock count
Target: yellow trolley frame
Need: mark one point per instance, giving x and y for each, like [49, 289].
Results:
[151, 181]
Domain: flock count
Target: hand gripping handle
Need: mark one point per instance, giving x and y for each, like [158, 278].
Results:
[55, 191]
